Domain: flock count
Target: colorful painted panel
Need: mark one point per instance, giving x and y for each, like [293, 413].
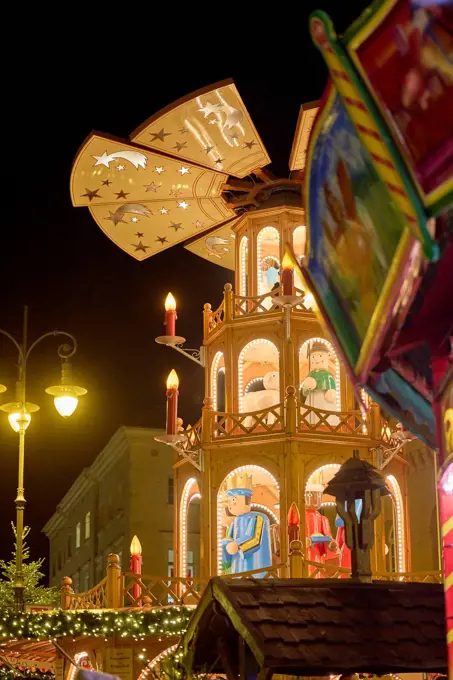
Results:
[210, 127]
[357, 236]
[404, 51]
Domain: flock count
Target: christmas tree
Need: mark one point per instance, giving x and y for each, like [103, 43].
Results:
[33, 592]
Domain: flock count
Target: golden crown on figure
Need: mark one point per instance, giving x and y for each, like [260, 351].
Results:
[240, 480]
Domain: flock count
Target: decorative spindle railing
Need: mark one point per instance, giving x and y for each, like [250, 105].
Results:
[342, 423]
[193, 434]
[95, 598]
[227, 425]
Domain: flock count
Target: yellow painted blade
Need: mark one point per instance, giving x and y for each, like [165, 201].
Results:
[307, 115]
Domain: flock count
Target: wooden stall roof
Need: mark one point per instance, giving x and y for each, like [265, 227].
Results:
[307, 627]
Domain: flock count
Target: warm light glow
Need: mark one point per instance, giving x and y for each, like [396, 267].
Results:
[293, 516]
[136, 546]
[190, 493]
[170, 303]
[66, 405]
[14, 419]
[287, 262]
[397, 498]
[447, 480]
[172, 380]
[2, 388]
[308, 301]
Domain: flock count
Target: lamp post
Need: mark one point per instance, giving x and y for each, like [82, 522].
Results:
[357, 480]
[19, 416]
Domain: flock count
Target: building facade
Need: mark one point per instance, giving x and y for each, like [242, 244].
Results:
[127, 491]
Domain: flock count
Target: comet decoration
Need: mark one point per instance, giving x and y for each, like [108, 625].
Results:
[175, 166]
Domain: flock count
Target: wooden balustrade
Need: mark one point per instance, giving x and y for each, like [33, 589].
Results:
[342, 423]
[244, 305]
[227, 425]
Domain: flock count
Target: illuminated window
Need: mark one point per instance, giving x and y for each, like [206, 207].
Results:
[218, 382]
[190, 493]
[319, 378]
[268, 259]
[396, 554]
[243, 266]
[78, 535]
[258, 359]
[299, 244]
[87, 525]
[263, 502]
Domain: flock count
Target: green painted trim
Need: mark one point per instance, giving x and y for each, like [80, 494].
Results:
[430, 248]
[362, 20]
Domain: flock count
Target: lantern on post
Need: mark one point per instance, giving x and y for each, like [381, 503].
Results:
[357, 480]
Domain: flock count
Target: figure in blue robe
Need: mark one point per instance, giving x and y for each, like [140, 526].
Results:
[247, 545]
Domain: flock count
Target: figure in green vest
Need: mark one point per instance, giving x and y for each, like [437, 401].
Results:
[319, 386]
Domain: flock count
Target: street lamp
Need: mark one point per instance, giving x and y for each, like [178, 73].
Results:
[19, 417]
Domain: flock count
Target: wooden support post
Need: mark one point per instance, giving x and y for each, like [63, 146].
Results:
[114, 595]
[66, 592]
[291, 410]
[206, 421]
[296, 559]
[374, 425]
[207, 313]
[227, 302]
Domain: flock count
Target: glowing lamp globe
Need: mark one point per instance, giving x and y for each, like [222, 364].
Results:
[2, 388]
[19, 414]
[172, 380]
[66, 396]
[17, 419]
[170, 303]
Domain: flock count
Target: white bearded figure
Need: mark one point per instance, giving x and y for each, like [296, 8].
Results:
[262, 399]
[319, 386]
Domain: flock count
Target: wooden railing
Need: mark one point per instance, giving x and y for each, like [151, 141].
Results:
[244, 305]
[193, 434]
[269, 420]
[410, 576]
[95, 598]
[311, 419]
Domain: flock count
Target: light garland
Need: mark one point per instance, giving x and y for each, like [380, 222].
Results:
[266, 510]
[265, 231]
[242, 468]
[250, 383]
[337, 366]
[300, 227]
[395, 491]
[329, 466]
[54, 624]
[214, 370]
[33, 673]
[189, 492]
[241, 360]
[243, 265]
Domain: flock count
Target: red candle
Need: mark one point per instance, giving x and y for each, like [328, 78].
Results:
[170, 315]
[293, 523]
[172, 402]
[287, 275]
[135, 565]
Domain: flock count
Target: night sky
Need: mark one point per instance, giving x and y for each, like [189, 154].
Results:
[55, 259]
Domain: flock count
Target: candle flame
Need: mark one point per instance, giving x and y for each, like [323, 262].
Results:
[172, 380]
[136, 546]
[287, 262]
[170, 303]
[293, 516]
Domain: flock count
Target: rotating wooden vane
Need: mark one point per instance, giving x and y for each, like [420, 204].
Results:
[166, 186]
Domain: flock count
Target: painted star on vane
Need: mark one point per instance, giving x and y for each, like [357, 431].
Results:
[175, 192]
[115, 218]
[106, 182]
[160, 135]
[164, 211]
[183, 171]
[140, 246]
[121, 194]
[91, 194]
[139, 234]
[209, 108]
[151, 187]
[180, 145]
[198, 224]
[208, 149]
[183, 205]
[176, 226]
[249, 144]
[219, 161]
[183, 130]
[159, 169]
[162, 240]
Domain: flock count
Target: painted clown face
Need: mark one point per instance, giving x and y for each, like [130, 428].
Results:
[319, 359]
[237, 505]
